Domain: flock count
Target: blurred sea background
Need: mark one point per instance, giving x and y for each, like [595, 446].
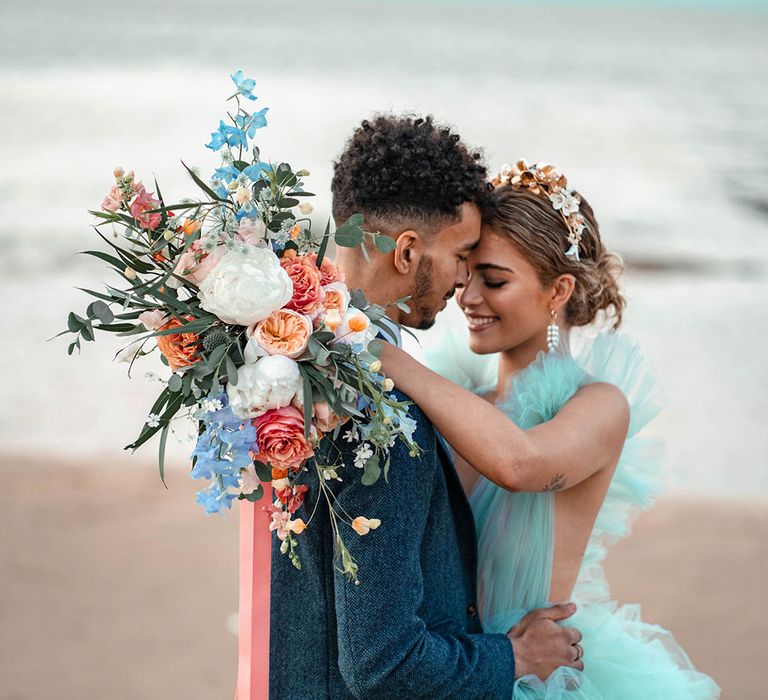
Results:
[656, 111]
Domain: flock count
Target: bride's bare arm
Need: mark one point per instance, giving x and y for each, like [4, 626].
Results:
[586, 435]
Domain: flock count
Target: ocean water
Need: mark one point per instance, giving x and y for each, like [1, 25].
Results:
[657, 114]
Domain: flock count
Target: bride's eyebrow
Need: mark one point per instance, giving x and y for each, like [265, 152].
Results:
[492, 266]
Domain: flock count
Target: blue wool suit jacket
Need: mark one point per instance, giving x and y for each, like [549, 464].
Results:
[410, 629]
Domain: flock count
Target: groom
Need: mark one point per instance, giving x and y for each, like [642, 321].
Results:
[410, 629]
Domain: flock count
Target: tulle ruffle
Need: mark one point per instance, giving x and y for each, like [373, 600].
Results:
[624, 659]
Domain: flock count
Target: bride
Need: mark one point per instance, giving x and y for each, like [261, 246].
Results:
[547, 443]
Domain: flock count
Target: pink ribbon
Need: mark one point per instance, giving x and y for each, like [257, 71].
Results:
[255, 563]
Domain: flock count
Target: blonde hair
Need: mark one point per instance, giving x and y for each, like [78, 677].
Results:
[538, 231]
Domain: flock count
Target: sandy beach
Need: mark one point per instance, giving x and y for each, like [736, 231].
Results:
[114, 587]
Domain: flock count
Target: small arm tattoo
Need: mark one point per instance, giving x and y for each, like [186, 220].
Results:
[556, 483]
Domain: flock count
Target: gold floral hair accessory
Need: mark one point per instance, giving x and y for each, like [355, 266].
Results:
[544, 180]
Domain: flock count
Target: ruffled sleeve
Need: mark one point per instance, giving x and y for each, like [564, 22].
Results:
[637, 481]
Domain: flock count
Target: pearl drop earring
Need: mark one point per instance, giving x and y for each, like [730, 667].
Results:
[553, 332]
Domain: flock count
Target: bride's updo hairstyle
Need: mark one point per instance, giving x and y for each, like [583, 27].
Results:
[558, 240]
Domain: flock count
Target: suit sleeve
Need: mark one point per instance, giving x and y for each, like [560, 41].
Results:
[385, 648]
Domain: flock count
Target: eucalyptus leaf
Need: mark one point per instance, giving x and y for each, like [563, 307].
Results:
[384, 243]
[102, 312]
[357, 299]
[263, 471]
[174, 383]
[253, 497]
[74, 323]
[348, 236]
[231, 371]
[86, 332]
[371, 471]
[375, 312]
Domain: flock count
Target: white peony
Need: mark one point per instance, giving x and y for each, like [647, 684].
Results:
[272, 382]
[246, 286]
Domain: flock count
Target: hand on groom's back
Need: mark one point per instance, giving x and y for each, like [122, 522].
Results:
[541, 645]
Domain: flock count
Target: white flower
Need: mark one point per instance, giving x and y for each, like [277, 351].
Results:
[130, 352]
[351, 434]
[562, 199]
[306, 208]
[272, 382]
[243, 195]
[211, 405]
[362, 454]
[153, 420]
[246, 286]
[355, 327]
[153, 320]
[249, 480]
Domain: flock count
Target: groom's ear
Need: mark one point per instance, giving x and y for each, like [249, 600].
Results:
[407, 251]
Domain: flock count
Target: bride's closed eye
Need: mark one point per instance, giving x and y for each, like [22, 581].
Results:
[493, 284]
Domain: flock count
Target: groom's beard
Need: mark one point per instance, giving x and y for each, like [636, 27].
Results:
[422, 293]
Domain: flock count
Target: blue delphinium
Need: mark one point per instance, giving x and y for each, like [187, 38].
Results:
[244, 85]
[250, 122]
[400, 419]
[227, 135]
[222, 450]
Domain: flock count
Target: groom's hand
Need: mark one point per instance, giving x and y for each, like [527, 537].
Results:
[541, 645]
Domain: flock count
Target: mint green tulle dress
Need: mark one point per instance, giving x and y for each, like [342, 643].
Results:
[624, 657]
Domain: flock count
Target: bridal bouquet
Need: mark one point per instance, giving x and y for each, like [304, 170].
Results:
[266, 347]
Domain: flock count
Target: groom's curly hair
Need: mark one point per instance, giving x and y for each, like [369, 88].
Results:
[407, 172]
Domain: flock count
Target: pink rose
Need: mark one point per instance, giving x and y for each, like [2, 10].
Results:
[197, 263]
[308, 292]
[153, 320]
[329, 272]
[325, 419]
[280, 438]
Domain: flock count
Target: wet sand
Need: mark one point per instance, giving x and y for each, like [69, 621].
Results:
[114, 587]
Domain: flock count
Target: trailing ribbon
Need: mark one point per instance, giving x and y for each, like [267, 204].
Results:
[255, 569]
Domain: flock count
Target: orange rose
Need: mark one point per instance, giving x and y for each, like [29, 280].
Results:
[280, 438]
[180, 349]
[283, 332]
[329, 272]
[336, 297]
[308, 293]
